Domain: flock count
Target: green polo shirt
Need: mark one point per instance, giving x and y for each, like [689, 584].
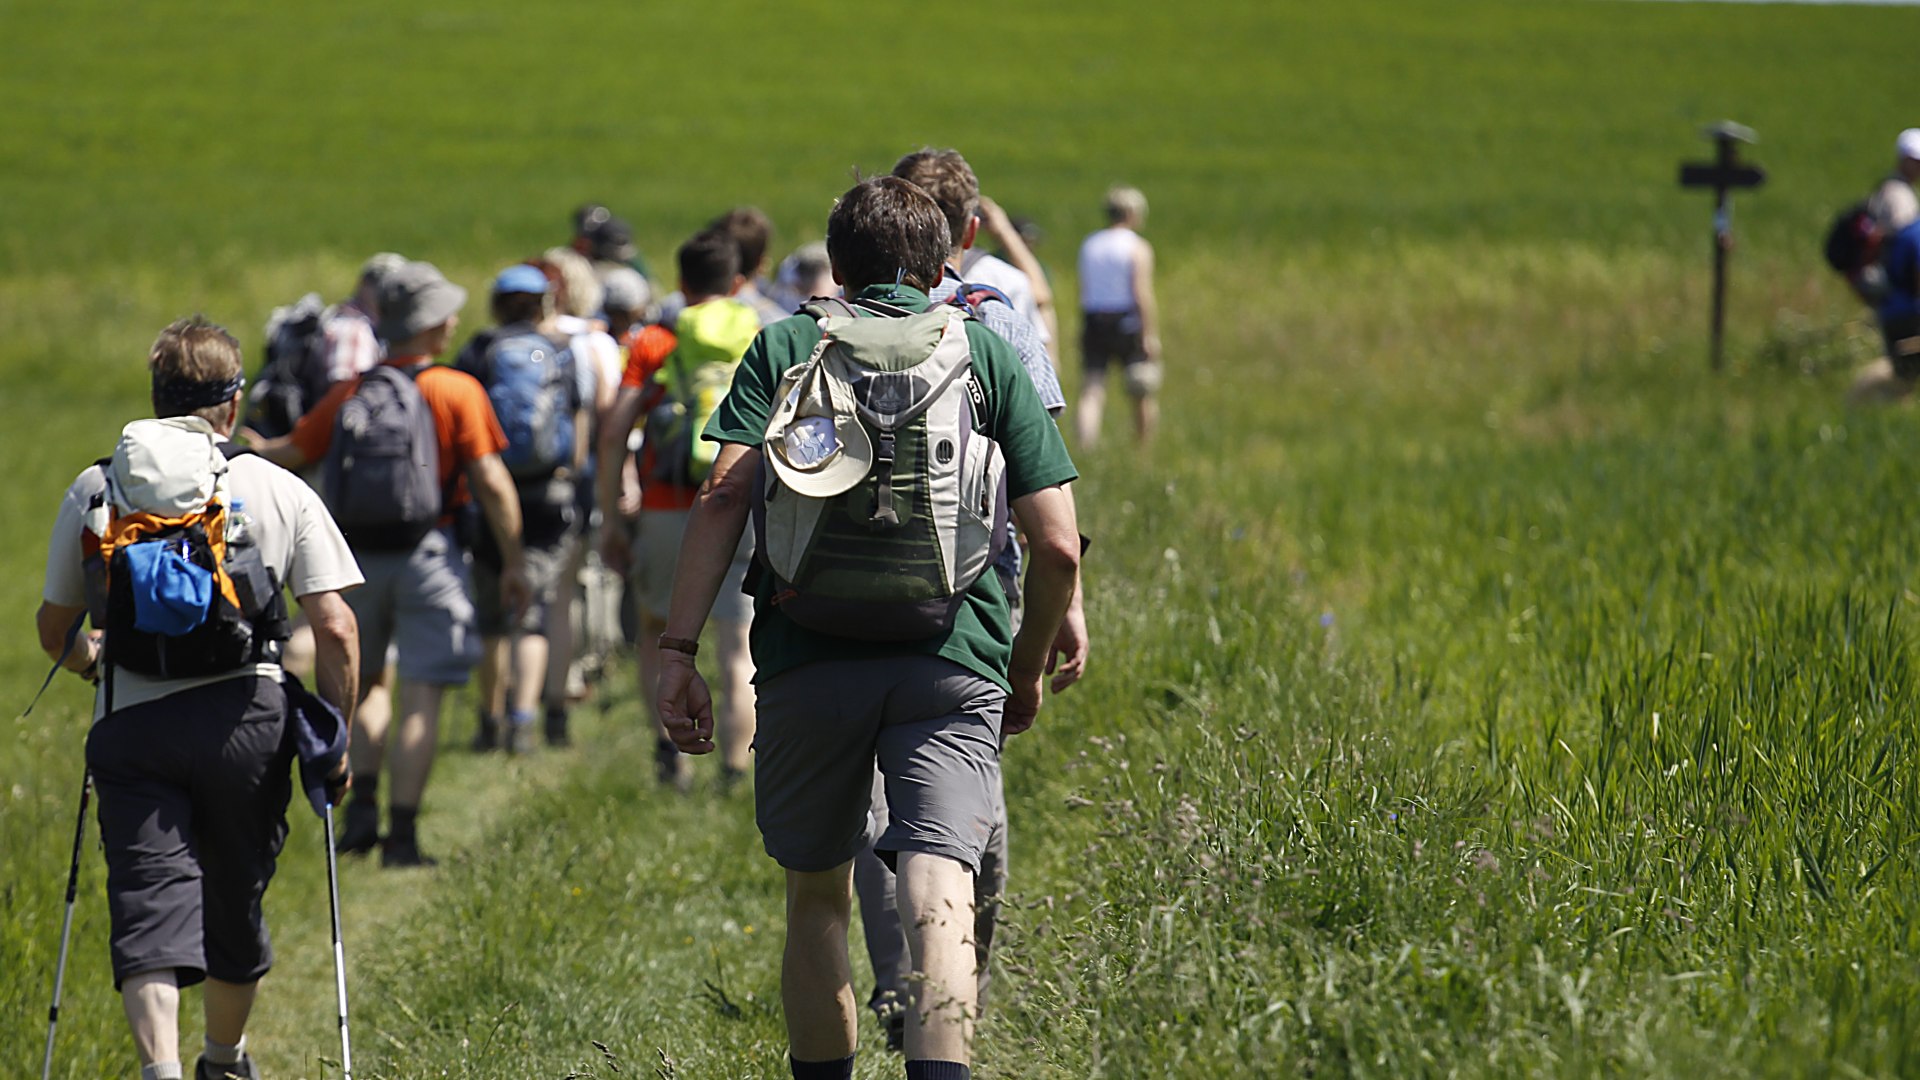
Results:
[982, 636]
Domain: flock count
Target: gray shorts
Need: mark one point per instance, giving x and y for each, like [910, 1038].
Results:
[193, 813]
[656, 551]
[545, 567]
[418, 602]
[932, 725]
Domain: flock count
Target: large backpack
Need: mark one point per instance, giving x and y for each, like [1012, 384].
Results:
[294, 374]
[710, 339]
[176, 583]
[1853, 240]
[530, 380]
[382, 474]
[890, 557]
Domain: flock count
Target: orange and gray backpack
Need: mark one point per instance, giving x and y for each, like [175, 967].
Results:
[174, 579]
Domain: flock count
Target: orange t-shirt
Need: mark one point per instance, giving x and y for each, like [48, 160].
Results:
[645, 357]
[462, 417]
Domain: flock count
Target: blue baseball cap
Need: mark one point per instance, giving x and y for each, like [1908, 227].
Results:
[520, 278]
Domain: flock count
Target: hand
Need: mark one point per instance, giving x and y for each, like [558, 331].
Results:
[249, 436]
[1150, 344]
[685, 704]
[1023, 704]
[515, 592]
[340, 782]
[997, 223]
[1068, 661]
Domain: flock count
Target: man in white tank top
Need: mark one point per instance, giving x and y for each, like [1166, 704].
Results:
[1122, 319]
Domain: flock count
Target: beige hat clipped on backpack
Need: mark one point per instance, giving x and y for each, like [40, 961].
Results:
[815, 441]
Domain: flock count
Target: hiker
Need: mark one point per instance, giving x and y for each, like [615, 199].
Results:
[803, 275]
[541, 397]
[752, 232]
[674, 379]
[311, 346]
[605, 239]
[1121, 318]
[917, 668]
[191, 757]
[406, 414]
[1019, 275]
[1882, 275]
[950, 181]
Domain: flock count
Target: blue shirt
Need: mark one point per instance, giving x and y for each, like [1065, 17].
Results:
[1901, 258]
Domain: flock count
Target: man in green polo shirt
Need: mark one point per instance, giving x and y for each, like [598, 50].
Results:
[932, 710]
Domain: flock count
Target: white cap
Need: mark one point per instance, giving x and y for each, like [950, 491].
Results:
[1908, 144]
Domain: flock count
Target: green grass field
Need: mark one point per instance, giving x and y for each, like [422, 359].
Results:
[1482, 687]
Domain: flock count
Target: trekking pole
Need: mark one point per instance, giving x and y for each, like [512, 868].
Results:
[66, 925]
[339, 951]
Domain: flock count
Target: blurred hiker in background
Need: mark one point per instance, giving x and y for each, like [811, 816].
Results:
[673, 382]
[399, 516]
[1881, 260]
[1121, 318]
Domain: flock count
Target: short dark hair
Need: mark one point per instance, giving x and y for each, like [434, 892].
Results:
[709, 261]
[751, 230]
[518, 307]
[946, 176]
[886, 227]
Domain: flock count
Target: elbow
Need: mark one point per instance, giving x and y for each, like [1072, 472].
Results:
[334, 624]
[1055, 553]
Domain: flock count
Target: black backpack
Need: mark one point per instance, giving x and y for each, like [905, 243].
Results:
[382, 474]
[1853, 240]
[294, 374]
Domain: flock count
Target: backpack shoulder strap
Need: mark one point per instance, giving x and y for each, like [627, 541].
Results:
[971, 294]
[822, 307]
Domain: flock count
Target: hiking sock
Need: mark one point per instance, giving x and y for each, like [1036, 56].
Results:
[938, 1070]
[821, 1070]
[161, 1070]
[519, 733]
[222, 1054]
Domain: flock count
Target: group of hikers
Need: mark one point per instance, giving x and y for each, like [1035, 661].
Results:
[1875, 245]
[835, 477]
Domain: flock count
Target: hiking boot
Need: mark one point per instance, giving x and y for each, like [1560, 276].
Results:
[731, 779]
[399, 852]
[556, 728]
[244, 1069]
[486, 736]
[520, 739]
[360, 833]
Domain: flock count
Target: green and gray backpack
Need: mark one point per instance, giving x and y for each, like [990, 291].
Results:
[883, 498]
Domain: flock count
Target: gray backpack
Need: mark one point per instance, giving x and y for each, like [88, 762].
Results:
[382, 476]
[883, 500]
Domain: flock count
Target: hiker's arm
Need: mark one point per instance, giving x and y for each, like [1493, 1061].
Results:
[1000, 227]
[1053, 554]
[53, 621]
[280, 451]
[581, 422]
[336, 650]
[492, 484]
[615, 423]
[1149, 304]
[718, 518]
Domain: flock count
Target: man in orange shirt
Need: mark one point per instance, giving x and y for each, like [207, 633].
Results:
[665, 366]
[417, 597]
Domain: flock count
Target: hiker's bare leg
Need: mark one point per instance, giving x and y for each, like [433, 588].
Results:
[228, 1005]
[371, 721]
[816, 985]
[492, 675]
[530, 672]
[1086, 414]
[736, 692]
[935, 897]
[1146, 417]
[152, 1003]
[413, 742]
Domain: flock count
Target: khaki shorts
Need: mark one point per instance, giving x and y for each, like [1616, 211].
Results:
[545, 567]
[656, 552]
[418, 602]
[932, 726]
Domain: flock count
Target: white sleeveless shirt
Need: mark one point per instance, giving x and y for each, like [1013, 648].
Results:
[1107, 260]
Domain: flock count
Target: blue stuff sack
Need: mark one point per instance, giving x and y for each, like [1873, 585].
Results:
[170, 593]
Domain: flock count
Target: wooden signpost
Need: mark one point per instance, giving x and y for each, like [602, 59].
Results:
[1725, 175]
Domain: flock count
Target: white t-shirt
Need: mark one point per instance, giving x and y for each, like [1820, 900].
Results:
[1894, 205]
[596, 357]
[297, 538]
[980, 268]
[1107, 260]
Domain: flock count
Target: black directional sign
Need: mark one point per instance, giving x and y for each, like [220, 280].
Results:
[1725, 175]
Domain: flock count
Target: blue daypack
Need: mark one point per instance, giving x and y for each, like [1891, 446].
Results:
[530, 380]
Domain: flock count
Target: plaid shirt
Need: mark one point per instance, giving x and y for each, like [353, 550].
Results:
[1019, 332]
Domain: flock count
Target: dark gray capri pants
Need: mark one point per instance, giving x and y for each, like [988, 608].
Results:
[193, 813]
[932, 725]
